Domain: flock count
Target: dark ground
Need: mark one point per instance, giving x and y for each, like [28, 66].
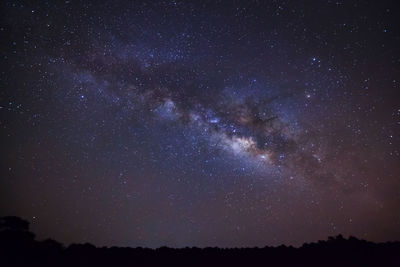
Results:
[18, 247]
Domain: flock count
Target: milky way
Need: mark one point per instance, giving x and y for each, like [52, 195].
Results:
[201, 123]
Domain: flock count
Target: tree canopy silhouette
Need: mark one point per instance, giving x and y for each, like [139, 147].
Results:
[18, 247]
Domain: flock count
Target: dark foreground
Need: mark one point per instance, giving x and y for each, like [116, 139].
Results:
[18, 247]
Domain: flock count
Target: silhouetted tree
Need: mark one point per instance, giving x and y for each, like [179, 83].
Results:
[19, 248]
[14, 231]
[13, 223]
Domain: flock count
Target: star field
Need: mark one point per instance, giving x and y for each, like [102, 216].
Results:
[201, 123]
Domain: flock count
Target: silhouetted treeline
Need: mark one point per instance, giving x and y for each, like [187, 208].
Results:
[18, 247]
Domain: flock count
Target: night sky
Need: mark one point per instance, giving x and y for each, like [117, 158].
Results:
[201, 123]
